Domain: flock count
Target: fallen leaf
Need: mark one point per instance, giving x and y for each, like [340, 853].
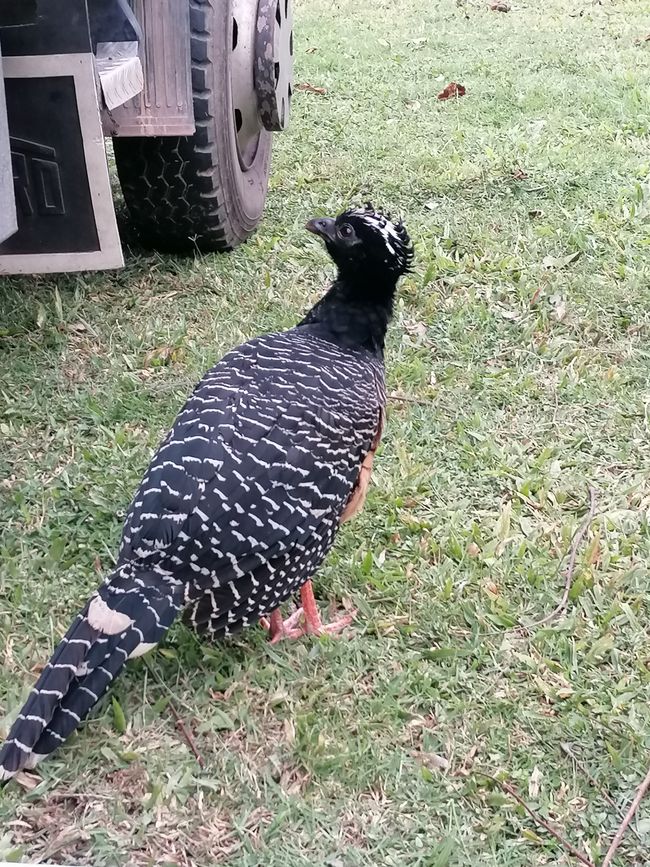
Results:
[473, 550]
[41, 316]
[502, 526]
[289, 731]
[593, 552]
[433, 760]
[119, 720]
[468, 761]
[311, 88]
[535, 296]
[416, 329]
[643, 39]
[26, 780]
[500, 7]
[535, 782]
[560, 261]
[160, 356]
[452, 89]
[519, 175]
[77, 326]
[560, 310]
[311, 50]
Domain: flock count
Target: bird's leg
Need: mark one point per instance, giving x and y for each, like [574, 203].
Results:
[276, 626]
[313, 625]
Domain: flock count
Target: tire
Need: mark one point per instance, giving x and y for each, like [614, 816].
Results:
[196, 192]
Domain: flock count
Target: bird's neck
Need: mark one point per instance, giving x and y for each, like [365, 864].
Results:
[353, 314]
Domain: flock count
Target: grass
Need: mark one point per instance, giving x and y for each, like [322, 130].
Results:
[522, 344]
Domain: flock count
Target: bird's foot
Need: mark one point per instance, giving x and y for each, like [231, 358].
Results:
[279, 628]
[308, 612]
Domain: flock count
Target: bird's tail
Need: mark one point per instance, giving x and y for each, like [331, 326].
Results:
[122, 620]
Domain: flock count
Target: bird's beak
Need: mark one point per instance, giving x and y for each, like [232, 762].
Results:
[324, 227]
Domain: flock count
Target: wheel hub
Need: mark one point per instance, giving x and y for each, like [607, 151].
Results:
[274, 62]
[246, 119]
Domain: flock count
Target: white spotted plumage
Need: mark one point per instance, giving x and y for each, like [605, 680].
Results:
[274, 435]
[240, 504]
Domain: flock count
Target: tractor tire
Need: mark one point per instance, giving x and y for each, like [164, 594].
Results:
[204, 192]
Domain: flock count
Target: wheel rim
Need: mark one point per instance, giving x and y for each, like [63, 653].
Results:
[246, 118]
[274, 62]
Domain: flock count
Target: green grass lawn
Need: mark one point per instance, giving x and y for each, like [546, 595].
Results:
[519, 367]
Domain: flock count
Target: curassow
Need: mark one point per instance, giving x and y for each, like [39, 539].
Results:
[244, 497]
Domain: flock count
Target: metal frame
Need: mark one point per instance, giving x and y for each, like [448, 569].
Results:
[81, 68]
[165, 106]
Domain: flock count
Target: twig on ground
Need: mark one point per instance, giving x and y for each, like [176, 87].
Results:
[405, 398]
[602, 792]
[180, 724]
[634, 806]
[569, 847]
[187, 734]
[577, 539]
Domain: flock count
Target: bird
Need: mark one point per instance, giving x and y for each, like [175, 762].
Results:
[243, 498]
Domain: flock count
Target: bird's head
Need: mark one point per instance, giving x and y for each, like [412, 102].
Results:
[366, 245]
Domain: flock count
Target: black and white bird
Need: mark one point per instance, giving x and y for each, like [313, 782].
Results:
[244, 497]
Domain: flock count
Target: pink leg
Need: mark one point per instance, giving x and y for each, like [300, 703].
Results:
[276, 626]
[279, 629]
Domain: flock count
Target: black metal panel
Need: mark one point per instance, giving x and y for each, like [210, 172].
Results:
[112, 21]
[59, 27]
[55, 209]
[13, 13]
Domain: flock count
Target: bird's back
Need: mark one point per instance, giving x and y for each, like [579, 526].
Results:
[254, 475]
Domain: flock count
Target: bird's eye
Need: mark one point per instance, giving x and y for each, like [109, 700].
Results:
[346, 230]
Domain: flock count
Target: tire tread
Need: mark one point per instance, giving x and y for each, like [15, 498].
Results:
[171, 185]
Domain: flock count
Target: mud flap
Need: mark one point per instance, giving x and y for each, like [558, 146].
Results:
[8, 224]
[66, 219]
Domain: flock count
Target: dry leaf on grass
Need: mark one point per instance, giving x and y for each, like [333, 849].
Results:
[161, 356]
[311, 88]
[452, 89]
[557, 262]
[467, 763]
[433, 761]
[500, 7]
[535, 783]
[26, 780]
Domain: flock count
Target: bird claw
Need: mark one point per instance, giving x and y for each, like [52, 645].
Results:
[289, 630]
[292, 628]
[279, 628]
